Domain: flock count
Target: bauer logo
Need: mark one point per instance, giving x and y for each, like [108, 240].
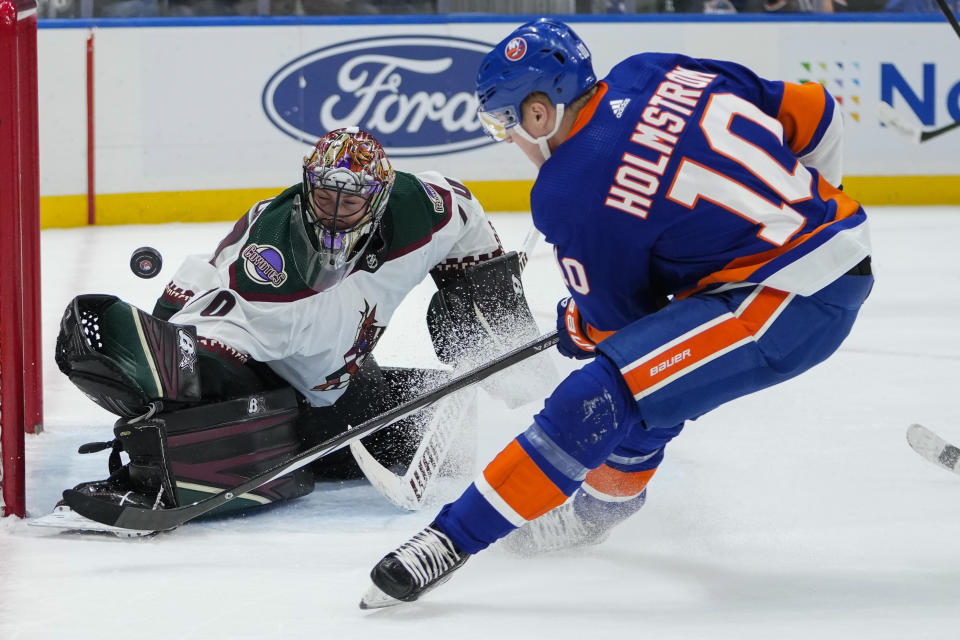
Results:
[413, 93]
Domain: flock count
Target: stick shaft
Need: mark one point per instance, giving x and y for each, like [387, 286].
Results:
[952, 19]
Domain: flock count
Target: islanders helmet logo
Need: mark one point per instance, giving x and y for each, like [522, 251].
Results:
[264, 264]
[515, 49]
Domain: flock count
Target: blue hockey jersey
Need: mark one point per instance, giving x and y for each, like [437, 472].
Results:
[686, 175]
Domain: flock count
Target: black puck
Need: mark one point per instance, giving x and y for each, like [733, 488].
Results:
[146, 262]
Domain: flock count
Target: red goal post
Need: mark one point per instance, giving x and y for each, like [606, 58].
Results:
[21, 405]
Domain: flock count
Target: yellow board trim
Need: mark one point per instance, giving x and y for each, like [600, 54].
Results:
[904, 190]
[496, 195]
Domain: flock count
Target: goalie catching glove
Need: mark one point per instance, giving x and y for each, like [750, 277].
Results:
[126, 360]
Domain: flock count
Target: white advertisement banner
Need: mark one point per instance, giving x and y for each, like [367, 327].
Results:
[229, 107]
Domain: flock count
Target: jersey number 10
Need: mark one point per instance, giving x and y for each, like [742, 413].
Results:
[694, 181]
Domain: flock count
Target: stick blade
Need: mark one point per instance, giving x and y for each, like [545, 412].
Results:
[395, 488]
[898, 121]
[934, 448]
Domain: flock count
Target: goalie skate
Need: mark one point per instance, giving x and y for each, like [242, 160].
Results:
[66, 519]
[558, 529]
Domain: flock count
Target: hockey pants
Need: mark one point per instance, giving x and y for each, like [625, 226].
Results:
[608, 422]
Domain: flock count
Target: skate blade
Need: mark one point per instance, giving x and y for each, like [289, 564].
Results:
[374, 598]
[66, 519]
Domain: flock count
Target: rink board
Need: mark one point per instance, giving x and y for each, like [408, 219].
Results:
[196, 119]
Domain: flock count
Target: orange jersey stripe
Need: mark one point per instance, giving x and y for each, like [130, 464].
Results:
[620, 484]
[740, 269]
[761, 309]
[588, 110]
[701, 347]
[801, 111]
[521, 484]
[596, 335]
[846, 206]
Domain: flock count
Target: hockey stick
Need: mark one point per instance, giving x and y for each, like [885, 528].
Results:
[529, 244]
[934, 448]
[142, 519]
[909, 128]
[952, 19]
[889, 117]
[410, 490]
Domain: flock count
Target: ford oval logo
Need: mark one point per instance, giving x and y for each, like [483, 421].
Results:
[413, 93]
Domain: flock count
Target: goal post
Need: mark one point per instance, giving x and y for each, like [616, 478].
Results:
[21, 407]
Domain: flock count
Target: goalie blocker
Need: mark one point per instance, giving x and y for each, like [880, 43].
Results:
[477, 306]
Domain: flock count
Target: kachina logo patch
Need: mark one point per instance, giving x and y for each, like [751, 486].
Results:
[413, 93]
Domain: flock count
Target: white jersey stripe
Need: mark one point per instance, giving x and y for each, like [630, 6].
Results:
[685, 367]
[666, 347]
[499, 504]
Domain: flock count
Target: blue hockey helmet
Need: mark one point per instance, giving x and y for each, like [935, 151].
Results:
[544, 55]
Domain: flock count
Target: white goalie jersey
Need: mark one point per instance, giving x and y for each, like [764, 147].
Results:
[248, 297]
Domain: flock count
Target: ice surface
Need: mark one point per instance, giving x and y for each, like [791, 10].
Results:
[799, 512]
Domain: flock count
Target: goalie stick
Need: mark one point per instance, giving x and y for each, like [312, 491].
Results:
[129, 517]
[934, 448]
[410, 490]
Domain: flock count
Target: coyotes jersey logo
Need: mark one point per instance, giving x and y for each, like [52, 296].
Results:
[368, 333]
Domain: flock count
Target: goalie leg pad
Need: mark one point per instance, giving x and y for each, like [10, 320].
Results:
[192, 453]
[125, 359]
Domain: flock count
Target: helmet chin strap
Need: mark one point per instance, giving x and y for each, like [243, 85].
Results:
[542, 141]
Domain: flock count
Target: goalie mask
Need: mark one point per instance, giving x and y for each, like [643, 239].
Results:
[347, 181]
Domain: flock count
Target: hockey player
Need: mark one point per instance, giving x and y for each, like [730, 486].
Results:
[709, 252]
[264, 346]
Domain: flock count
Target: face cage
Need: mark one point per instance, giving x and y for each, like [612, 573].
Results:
[338, 246]
[325, 267]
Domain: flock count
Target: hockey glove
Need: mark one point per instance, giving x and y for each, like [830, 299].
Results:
[574, 341]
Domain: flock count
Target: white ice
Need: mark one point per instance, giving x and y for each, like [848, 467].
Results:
[798, 512]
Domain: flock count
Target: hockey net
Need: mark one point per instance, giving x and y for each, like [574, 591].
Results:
[20, 362]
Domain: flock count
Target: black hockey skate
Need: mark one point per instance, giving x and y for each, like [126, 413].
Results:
[117, 490]
[422, 563]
